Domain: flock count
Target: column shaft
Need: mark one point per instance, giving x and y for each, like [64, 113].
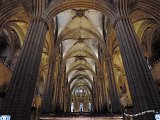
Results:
[21, 89]
[48, 93]
[55, 87]
[95, 97]
[142, 89]
[104, 96]
[115, 101]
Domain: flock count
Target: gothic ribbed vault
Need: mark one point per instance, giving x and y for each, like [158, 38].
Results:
[59, 57]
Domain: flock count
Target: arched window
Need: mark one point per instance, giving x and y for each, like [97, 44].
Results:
[81, 107]
[72, 107]
[90, 107]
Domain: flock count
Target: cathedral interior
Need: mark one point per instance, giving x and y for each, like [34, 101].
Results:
[72, 58]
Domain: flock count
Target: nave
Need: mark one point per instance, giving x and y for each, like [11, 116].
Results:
[79, 56]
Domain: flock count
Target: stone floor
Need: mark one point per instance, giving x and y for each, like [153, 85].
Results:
[82, 118]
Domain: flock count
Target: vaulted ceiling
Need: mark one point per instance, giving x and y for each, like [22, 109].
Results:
[80, 46]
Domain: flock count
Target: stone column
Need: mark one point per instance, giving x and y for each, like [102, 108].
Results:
[94, 98]
[59, 88]
[60, 85]
[140, 81]
[47, 105]
[48, 93]
[21, 89]
[65, 99]
[103, 84]
[68, 98]
[97, 88]
[62, 89]
[55, 87]
[115, 101]
[101, 95]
